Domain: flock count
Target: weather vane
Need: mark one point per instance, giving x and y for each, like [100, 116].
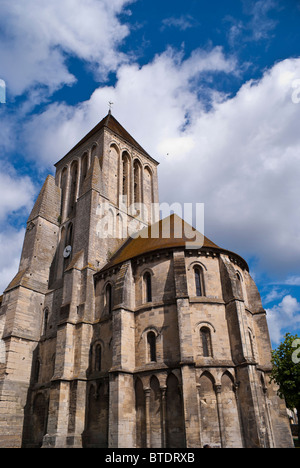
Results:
[110, 106]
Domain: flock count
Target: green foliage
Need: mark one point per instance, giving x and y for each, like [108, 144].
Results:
[286, 370]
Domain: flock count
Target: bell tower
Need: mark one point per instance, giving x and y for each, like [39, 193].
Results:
[104, 188]
[109, 189]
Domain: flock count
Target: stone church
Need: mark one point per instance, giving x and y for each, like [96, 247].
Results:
[129, 341]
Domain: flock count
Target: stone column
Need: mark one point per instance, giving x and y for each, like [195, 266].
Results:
[268, 418]
[218, 390]
[189, 384]
[148, 425]
[58, 417]
[164, 415]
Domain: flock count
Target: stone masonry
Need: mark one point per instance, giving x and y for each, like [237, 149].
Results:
[118, 341]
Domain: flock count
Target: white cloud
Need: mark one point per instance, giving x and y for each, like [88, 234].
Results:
[274, 295]
[293, 280]
[240, 156]
[17, 198]
[182, 22]
[283, 317]
[11, 242]
[37, 38]
[157, 94]
[259, 27]
[261, 24]
[17, 192]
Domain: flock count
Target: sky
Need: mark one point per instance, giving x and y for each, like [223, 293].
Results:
[210, 89]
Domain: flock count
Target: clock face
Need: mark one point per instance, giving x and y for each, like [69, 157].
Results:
[67, 251]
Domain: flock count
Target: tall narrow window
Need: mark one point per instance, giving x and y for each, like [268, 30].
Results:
[137, 173]
[147, 287]
[69, 239]
[45, 324]
[126, 166]
[98, 358]
[206, 342]
[63, 191]
[94, 151]
[151, 340]
[68, 243]
[239, 284]
[199, 281]
[73, 186]
[108, 298]
[84, 167]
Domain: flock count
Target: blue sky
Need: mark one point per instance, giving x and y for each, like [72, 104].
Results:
[210, 89]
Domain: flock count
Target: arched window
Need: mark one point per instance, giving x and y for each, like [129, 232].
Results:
[239, 284]
[151, 341]
[94, 151]
[148, 177]
[125, 175]
[147, 280]
[205, 338]
[63, 186]
[148, 196]
[84, 167]
[45, 324]
[73, 186]
[98, 358]
[108, 298]
[121, 227]
[69, 238]
[137, 175]
[199, 282]
[68, 242]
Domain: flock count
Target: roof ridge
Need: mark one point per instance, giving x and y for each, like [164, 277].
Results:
[110, 122]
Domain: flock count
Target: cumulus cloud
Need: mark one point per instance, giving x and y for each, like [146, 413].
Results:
[17, 192]
[11, 242]
[159, 96]
[283, 317]
[17, 198]
[36, 39]
[239, 155]
[273, 295]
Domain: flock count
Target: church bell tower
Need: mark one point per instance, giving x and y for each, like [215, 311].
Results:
[106, 185]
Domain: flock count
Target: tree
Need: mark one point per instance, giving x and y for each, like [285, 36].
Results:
[286, 372]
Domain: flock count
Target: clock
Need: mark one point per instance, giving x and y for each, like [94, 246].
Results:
[67, 251]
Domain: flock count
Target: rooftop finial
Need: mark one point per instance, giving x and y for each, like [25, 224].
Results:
[110, 106]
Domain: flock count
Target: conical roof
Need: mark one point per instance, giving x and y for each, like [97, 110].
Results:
[171, 232]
